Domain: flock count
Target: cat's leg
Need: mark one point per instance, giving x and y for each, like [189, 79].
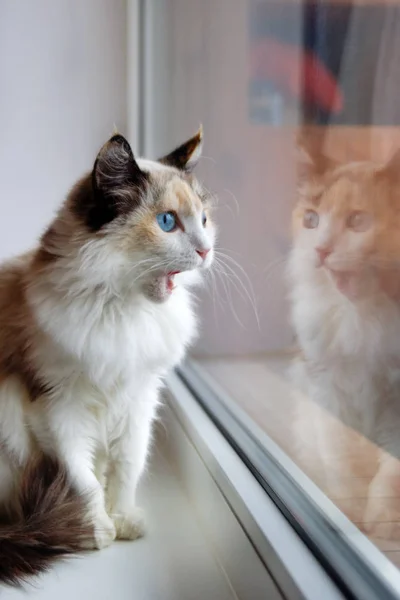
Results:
[100, 468]
[381, 514]
[77, 456]
[381, 517]
[127, 461]
[74, 435]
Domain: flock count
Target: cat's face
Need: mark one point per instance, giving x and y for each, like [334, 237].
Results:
[148, 222]
[346, 223]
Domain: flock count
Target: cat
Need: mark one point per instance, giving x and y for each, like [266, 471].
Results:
[91, 321]
[344, 280]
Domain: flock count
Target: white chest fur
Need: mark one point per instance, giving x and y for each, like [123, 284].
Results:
[332, 327]
[351, 350]
[115, 342]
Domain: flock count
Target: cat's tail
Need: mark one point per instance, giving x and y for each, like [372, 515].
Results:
[51, 523]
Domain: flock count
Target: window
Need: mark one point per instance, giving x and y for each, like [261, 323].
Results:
[293, 96]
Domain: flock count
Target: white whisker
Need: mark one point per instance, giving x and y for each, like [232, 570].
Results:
[234, 199]
[249, 294]
[228, 294]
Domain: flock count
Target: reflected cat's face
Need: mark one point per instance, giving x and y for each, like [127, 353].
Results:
[346, 223]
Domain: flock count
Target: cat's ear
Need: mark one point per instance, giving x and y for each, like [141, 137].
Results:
[115, 168]
[187, 155]
[306, 165]
[392, 167]
[312, 163]
[117, 183]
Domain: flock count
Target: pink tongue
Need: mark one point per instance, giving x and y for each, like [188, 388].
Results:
[170, 283]
[346, 283]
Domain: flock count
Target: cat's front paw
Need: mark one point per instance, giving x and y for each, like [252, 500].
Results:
[380, 519]
[129, 526]
[104, 531]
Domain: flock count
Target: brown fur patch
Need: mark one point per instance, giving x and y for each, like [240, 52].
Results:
[147, 230]
[17, 328]
[188, 200]
[48, 250]
[180, 198]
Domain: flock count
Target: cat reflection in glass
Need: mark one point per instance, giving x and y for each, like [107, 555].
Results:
[345, 307]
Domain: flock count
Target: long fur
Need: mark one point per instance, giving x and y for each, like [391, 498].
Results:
[48, 522]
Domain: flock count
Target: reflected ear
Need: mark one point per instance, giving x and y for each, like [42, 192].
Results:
[306, 167]
[311, 163]
[186, 156]
[392, 167]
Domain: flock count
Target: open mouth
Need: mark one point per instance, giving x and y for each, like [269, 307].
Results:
[347, 282]
[161, 287]
[171, 281]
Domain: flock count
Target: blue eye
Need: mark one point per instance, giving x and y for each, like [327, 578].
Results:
[204, 219]
[167, 221]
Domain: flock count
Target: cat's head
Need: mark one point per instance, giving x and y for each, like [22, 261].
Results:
[139, 223]
[346, 223]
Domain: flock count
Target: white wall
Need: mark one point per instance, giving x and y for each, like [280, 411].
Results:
[63, 86]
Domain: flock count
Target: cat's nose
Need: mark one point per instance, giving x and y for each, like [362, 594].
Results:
[323, 253]
[203, 253]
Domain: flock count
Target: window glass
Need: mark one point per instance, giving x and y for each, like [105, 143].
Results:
[300, 314]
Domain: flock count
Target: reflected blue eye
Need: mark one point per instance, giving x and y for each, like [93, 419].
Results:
[166, 221]
[204, 219]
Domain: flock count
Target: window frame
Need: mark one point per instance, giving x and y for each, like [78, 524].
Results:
[284, 555]
[356, 565]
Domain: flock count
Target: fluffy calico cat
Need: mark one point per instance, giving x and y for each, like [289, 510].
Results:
[345, 294]
[90, 323]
